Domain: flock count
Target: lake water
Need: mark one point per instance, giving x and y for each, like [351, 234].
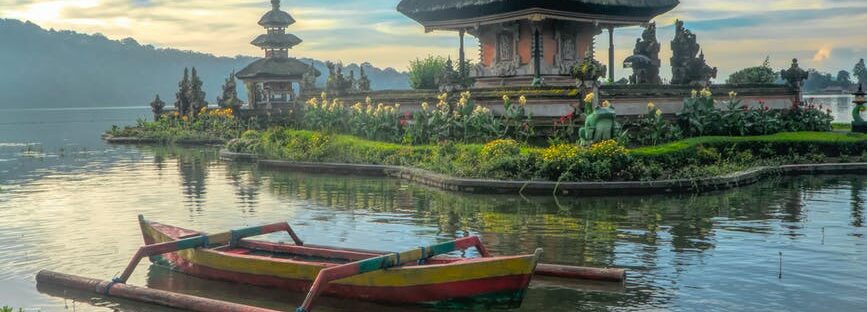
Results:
[68, 203]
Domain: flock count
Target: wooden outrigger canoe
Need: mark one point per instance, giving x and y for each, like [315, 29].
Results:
[500, 281]
[421, 275]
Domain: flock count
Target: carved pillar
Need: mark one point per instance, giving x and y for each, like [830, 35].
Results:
[610, 53]
[537, 56]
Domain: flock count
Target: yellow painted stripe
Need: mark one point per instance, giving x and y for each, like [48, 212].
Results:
[395, 277]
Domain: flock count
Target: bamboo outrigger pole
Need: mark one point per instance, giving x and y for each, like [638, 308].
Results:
[328, 275]
[230, 237]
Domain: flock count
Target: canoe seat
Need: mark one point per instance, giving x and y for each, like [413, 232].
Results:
[237, 251]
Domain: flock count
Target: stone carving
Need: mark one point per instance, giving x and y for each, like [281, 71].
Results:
[308, 79]
[599, 125]
[337, 84]
[858, 122]
[568, 54]
[686, 67]
[157, 108]
[589, 70]
[507, 60]
[229, 99]
[363, 83]
[794, 76]
[645, 61]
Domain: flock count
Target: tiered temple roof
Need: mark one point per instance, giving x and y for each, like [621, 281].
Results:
[276, 42]
[432, 13]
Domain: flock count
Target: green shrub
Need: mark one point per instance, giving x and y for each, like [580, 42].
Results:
[423, 73]
[763, 74]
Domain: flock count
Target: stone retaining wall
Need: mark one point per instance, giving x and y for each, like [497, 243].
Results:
[578, 189]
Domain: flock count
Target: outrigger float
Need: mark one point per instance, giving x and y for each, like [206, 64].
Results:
[423, 275]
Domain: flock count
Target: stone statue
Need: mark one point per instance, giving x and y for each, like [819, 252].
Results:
[337, 84]
[308, 79]
[449, 79]
[645, 61]
[230, 95]
[588, 72]
[794, 76]
[686, 67]
[599, 125]
[363, 81]
[157, 108]
[858, 123]
[353, 84]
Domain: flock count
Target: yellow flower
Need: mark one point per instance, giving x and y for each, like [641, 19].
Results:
[505, 98]
[466, 94]
[606, 104]
[397, 106]
[658, 112]
[368, 100]
[650, 106]
[706, 92]
[443, 97]
[589, 98]
[185, 118]
[694, 93]
[424, 106]
[481, 110]
[733, 94]
[463, 102]
[522, 100]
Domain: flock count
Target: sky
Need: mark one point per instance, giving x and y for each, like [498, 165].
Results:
[824, 34]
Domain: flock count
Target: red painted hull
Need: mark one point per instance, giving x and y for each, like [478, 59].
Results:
[505, 290]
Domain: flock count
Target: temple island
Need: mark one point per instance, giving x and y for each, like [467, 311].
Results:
[544, 50]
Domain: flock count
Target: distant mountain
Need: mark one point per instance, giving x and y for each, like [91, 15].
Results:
[47, 68]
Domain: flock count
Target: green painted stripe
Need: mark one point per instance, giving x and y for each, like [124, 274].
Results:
[371, 264]
[193, 242]
[442, 248]
[245, 232]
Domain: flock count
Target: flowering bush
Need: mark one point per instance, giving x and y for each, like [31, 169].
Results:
[699, 117]
[652, 128]
[500, 148]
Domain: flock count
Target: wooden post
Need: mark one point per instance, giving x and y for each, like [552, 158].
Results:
[461, 56]
[611, 53]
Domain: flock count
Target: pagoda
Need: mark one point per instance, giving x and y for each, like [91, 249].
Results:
[530, 41]
[271, 81]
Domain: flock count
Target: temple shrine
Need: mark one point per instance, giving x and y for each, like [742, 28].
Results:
[271, 81]
[524, 42]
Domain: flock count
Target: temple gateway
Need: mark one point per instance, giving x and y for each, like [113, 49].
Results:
[527, 41]
[271, 82]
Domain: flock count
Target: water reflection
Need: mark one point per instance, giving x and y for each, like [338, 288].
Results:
[683, 252]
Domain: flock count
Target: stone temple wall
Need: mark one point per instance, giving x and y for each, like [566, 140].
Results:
[553, 102]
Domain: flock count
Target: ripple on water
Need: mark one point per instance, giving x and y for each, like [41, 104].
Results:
[712, 252]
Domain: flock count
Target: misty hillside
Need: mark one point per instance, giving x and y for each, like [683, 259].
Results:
[48, 68]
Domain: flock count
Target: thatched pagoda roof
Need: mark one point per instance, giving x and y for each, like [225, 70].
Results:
[275, 67]
[276, 41]
[439, 11]
[276, 17]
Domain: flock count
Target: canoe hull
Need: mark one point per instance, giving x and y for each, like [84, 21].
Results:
[499, 281]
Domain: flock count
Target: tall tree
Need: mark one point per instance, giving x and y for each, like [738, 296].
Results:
[182, 103]
[844, 78]
[197, 96]
[860, 71]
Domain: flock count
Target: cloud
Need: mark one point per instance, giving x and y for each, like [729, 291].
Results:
[733, 33]
[823, 54]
